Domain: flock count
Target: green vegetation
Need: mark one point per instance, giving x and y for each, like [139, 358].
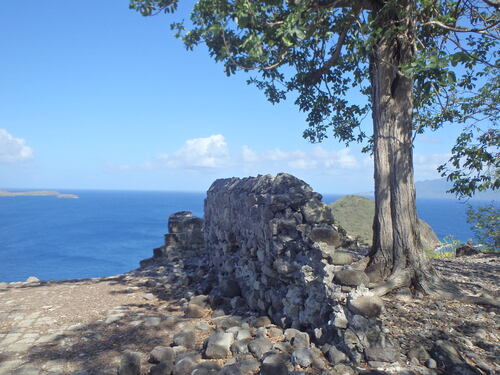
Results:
[449, 244]
[355, 214]
[485, 223]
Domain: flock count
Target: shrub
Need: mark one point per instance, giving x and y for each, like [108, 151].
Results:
[485, 223]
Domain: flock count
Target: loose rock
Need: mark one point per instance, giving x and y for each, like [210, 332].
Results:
[367, 306]
[351, 278]
[218, 345]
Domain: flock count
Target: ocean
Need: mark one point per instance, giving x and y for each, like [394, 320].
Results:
[105, 233]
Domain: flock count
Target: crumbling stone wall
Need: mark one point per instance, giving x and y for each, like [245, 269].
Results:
[272, 241]
[184, 238]
[269, 245]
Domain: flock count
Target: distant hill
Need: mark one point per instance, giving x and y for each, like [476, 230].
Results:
[437, 189]
[355, 214]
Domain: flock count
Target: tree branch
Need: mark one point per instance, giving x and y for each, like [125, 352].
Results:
[459, 29]
[265, 67]
[493, 3]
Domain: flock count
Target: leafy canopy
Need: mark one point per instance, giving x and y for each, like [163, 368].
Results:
[319, 50]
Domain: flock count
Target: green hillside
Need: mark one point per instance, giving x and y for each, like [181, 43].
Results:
[355, 214]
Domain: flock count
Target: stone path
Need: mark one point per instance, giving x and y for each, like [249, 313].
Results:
[76, 327]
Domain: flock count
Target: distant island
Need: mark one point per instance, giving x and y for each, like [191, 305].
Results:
[39, 193]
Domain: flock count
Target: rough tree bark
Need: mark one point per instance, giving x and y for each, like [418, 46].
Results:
[397, 255]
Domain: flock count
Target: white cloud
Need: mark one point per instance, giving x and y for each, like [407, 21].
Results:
[209, 152]
[13, 149]
[197, 153]
[318, 158]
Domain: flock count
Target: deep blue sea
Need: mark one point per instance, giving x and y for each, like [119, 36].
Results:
[108, 232]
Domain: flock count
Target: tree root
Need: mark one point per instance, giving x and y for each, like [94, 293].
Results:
[430, 284]
[396, 281]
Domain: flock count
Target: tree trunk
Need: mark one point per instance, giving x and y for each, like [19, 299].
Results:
[397, 255]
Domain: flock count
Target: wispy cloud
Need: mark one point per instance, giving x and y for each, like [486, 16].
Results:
[13, 149]
[318, 158]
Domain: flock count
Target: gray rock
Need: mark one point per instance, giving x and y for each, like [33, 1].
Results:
[32, 279]
[242, 334]
[351, 278]
[297, 338]
[430, 363]
[186, 339]
[389, 354]
[227, 321]
[240, 346]
[259, 346]
[249, 366]
[275, 364]
[194, 311]
[327, 235]
[130, 363]
[206, 368]
[218, 345]
[367, 306]
[162, 354]
[335, 356]
[302, 357]
[341, 258]
[163, 368]
[419, 353]
[261, 332]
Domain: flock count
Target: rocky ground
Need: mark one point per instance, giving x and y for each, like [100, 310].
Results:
[156, 320]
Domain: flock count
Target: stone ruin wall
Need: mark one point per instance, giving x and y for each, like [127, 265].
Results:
[260, 232]
[271, 242]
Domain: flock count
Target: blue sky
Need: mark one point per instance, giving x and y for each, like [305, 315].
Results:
[95, 96]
